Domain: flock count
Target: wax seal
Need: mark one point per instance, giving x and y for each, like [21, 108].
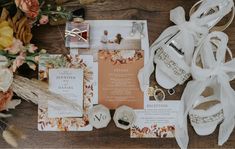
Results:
[99, 116]
[124, 117]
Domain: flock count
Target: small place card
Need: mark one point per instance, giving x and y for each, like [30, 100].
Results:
[156, 123]
[68, 83]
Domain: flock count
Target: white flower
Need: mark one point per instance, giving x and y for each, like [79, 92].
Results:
[3, 62]
[6, 79]
[127, 54]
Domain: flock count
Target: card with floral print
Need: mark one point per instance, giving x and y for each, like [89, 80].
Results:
[81, 67]
[156, 123]
[67, 82]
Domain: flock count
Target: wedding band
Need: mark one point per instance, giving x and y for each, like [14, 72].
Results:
[159, 94]
[124, 117]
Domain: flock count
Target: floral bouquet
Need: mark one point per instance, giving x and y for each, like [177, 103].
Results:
[17, 17]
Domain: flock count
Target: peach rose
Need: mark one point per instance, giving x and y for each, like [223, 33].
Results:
[29, 7]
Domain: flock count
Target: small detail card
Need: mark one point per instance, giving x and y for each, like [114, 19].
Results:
[156, 123]
[68, 83]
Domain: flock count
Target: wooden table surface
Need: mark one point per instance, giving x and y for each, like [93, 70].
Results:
[156, 12]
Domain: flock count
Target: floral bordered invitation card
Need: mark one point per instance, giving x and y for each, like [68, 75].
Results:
[73, 78]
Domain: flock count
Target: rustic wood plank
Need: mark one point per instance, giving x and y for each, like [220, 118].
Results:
[157, 14]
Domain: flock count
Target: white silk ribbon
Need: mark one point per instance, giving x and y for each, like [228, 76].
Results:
[189, 31]
[192, 33]
[214, 69]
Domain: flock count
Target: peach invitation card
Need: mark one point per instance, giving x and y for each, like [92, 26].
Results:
[118, 84]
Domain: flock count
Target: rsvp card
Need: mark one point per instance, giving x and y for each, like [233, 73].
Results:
[68, 83]
[156, 123]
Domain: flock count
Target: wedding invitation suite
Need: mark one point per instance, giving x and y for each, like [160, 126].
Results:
[73, 78]
[158, 122]
[68, 83]
[121, 48]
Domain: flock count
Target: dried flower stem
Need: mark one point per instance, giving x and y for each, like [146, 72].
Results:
[37, 91]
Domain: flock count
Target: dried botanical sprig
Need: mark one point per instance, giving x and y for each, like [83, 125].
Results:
[9, 138]
[12, 134]
[3, 115]
[16, 132]
[36, 91]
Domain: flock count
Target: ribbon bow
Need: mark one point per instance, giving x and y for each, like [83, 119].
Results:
[76, 32]
[190, 30]
[215, 70]
[190, 37]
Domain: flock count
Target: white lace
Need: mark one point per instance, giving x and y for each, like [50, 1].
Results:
[215, 70]
[192, 32]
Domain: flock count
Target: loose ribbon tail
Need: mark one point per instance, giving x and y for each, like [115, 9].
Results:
[228, 102]
[144, 74]
[188, 47]
[181, 132]
[190, 95]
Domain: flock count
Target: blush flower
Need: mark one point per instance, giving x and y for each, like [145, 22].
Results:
[16, 47]
[29, 7]
[20, 59]
[31, 48]
[6, 78]
[44, 20]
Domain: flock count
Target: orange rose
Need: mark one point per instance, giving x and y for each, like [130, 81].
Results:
[5, 98]
[29, 7]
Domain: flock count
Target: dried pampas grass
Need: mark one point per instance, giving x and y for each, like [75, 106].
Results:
[9, 138]
[36, 91]
[12, 134]
[16, 132]
[3, 115]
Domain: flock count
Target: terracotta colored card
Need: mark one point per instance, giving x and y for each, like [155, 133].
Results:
[118, 83]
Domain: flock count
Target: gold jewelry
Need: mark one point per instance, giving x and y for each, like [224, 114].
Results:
[157, 93]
